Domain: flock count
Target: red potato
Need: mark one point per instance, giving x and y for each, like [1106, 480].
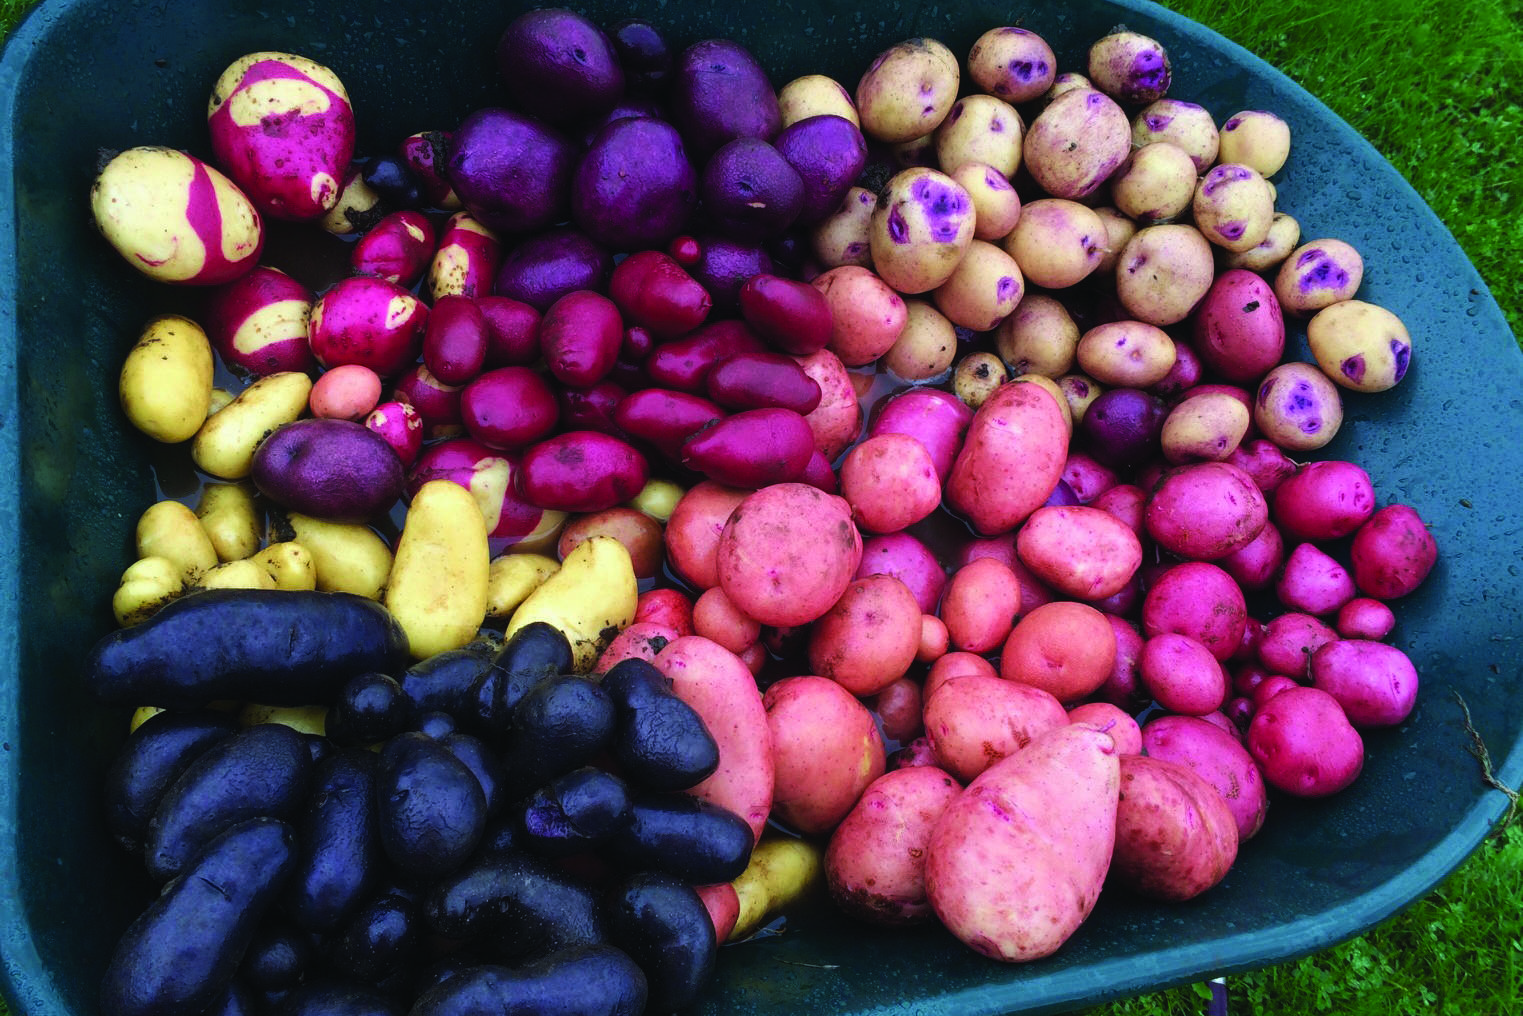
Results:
[591, 408]
[760, 381]
[1219, 756]
[1011, 459]
[1323, 500]
[1255, 565]
[837, 420]
[1017, 861]
[908, 560]
[368, 321]
[1364, 618]
[753, 448]
[1304, 744]
[467, 260]
[936, 418]
[1109, 718]
[1201, 600]
[664, 419]
[638, 532]
[512, 331]
[980, 604]
[1175, 835]
[890, 481]
[900, 706]
[974, 720]
[866, 315]
[788, 552]
[869, 637]
[1125, 501]
[1205, 510]
[826, 750]
[580, 336]
[397, 249]
[723, 692]
[693, 531]
[717, 619]
[400, 426]
[934, 640]
[684, 364]
[875, 861]
[640, 640]
[1063, 647]
[509, 408]
[1081, 552]
[953, 665]
[1289, 640]
[437, 404]
[1238, 329]
[455, 341]
[1392, 553]
[1313, 581]
[1122, 686]
[580, 471]
[1376, 684]
[258, 322]
[669, 608]
[655, 292]
[1269, 688]
[793, 316]
[1182, 675]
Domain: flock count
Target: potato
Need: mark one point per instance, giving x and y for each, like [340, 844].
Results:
[1233, 206]
[1111, 719]
[1065, 648]
[1204, 428]
[588, 599]
[1283, 236]
[346, 557]
[1038, 337]
[169, 529]
[890, 482]
[289, 565]
[867, 315]
[875, 862]
[1375, 684]
[1081, 552]
[1217, 755]
[512, 577]
[1011, 459]
[826, 750]
[837, 420]
[1318, 274]
[782, 870]
[1182, 675]
[920, 231]
[146, 585]
[1361, 346]
[1256, 138]
[974, 720]
[980, 604]
[1017, 861]
[1175, 836]
[787, 553]
[1304, 743]
[1237, 329]
[718, 620]
[1163, 272]
[237, 575]
[869, 637]
[815, 95]
[925, 348]
[1184, 124]
[1205, 510]
[692, 531]
[1155, 184]
[844, 236]
[996, 203]
[1012, 63]
[984, 288]
[1392, 553]
[225, 444]
[980, 128]
[976, 377]
[328, 468]
[1198, 599]
[1323, 500]
[1119, 230]
[1130, 67]
[907, 90]
[438, 584]
[1056, 242]
[640, 534]
[1298, 407]
[165, 384]
[1075, 144]
[233, 522]
[1126, 354]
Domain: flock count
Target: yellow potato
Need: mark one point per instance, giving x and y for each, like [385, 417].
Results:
[589, 599]
[815, 95]
[657, 499]
[166, 382]
[303, 719]
[512, 577]
[224, 446]
[141, 715]
[347, 557]
[289, 565]
[781, 871]
[907, 90]
[438, 584]
[170, 529]
[146, 585]
[231, 519]
[1040, 337]
[925, 348]
[237, 575]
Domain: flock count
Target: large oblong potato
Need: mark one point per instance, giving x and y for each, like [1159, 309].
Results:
[166, 381]
[1011, 459]
[438, 584]
[1175, 835]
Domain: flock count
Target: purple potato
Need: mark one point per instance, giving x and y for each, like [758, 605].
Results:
[329, 469]
[511, 171]
[628, 108]
[749, 191]
[829, 153]
[752, 449]
[635, 188]
[559, 64]
[719, 93]
[645, 55]
[1122, 427]
[543, 268]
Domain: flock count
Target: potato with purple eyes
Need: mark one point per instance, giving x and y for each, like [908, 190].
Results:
[1076, 143]
[1057, 242]
[1012, 64]
[1360, 346]
[1283, 236]
[1039, 337]
[1163, 272]
[1181, 123]
[907, 91]
[843, 237]
[1318, 274]
[920, 230]
[814, 95]
[1155, 184]
[996, 204]
[1297, 407]
[985, 287]
[1130, 67]
[980, 128]
[1233, 206]
[1256, 138]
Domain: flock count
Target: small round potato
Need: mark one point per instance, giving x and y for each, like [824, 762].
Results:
[976, 377]
[1076, 143]
[907, 90]
[980, 128]
[1298, 407]
[1130, 67]
[1163, 272]
[1283, 236]
[984, 288]
[1119, 230]
[1155, 184]
[1012, 64]
[1126, 354]
[165, 384]
[815, 95]
[1181, 123]
[920, 230]
[1057, 242]
[1233, 206]
[1079, 391]
[843, 237]
[866, 314]
[996, 204]
[1204, 428]
[1256, 138]
[925, 348]
[1068, 81]
[1039, 337]
[1317, 275]
[1359, 345]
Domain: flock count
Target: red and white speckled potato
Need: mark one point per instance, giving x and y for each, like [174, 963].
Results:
[1175, 836]
[837, 420]
[787, 553]
[973, 720]
[175, 218]
[282, 127]
[1017, 861]
[1082, 552]
[723, 693]
[1011, 458]
[466, 262]
[826, 750]
[875, 862]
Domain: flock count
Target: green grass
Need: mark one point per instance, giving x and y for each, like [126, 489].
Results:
[1438, 89]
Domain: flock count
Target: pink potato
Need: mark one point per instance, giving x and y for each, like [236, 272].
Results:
[1392, 553]
[1313, 581]
[1063, 647]
[1082, 552]
[936, 418]
[1239, 331]
[641, 640]
[1255, 565]
[953, 665]
[934, 640]
[1113, 720]
[721, 689]
[258, 322]
[1269, 688]
[717, 619]
[1265, 461]
[369, 321]
[1182, 674]
[869, 637]
[347, 392]
[1289, 640]
[910, 561]
[890, 481]
[788, 552]
[1121, 686]
[1205, 510]
[1364, 618]
[1304, 744]
[580, 471]
[1125, 501]
[1175, 835]
[837, 420]
[980, 605]
[900, 706]
[1375, 683]
[974, 720]
[875, 861]
[1011, 459]
[668, 607]
[826, 750]
[1217, 755]
[1198, 599]
[1087, 476]
[1017, 861]
[866, 315]
[693, 528]
[1323, 500]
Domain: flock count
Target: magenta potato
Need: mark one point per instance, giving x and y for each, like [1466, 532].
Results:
[559, 64]
[581, 471]
[725, 265]
[488, 474]
[511, 171]
[397, 249]
[749, 191]
[1238, 329]
[656, 293]
[512, 331]
[423, 155]
[719, 92]
[935, 418]
[665, 419]
[581, 335]
[685, 363]
[258, 322]
[752, 449]
[1323, 500]
[634, 189]
[829, 153]
[368, 321]
[793, 316]
[330, 469]
[509, 408]
[1392, 552]
[455, 339]
[761, 380]
[591, 408]
[545, 267]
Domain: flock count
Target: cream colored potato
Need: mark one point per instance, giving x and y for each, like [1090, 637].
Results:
[843, 238]
[1076, 143]
[1119, 229]
[231, 518]
[1163, 272]
[1068, 81]
[1233, 206]
[512, 577]
[1039, 337]
[1257, 138]
[1155, 184]
[171, 530]
[225, 444]
[996, 204]
[1013, 64]
[243, 574]
[289, 565]
[984, 288]
[980, 128]
[1298, 407]
[920, 230]
[1180, 123]
[1056, 242]
[907, 90]
[146, 585]
[1283, 236]
[302, 719]
[657, 499]
[1205, 428]
[1079, 392]
[925, 348]
[1126, 354]
[346, 557]
[166, 381]
[978, 376]
[815, 95]
[438, 584]
[1361, 346]
[1316, 275]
